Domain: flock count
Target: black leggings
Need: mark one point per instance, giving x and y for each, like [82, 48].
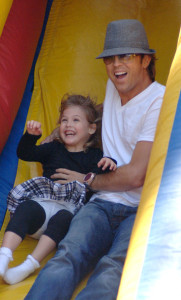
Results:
[30, 216]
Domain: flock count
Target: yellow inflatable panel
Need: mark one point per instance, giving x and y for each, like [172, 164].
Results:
[4, 11]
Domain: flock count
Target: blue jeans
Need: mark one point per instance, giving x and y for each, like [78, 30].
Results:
[97, 239]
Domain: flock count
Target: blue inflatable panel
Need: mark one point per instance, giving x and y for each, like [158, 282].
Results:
[161, 274]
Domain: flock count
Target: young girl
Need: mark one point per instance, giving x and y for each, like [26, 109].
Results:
[49, 207]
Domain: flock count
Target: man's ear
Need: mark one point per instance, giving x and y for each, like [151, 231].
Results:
[92, 128]
[146, 60]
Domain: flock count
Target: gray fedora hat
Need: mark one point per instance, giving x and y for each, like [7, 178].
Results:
[125, 37]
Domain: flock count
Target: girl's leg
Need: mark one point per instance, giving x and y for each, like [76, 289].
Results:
[5, 257]
[77, 254]
[56, 230]
[10, 242]
[29, 216]
[44, 247]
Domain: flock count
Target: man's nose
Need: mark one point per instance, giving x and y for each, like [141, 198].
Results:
[116, 61]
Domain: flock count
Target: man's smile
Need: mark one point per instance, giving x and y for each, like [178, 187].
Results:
[120, 74]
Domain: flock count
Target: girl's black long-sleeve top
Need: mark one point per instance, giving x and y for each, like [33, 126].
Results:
[54, 155]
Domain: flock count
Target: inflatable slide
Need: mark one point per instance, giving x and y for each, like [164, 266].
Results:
[48, 48]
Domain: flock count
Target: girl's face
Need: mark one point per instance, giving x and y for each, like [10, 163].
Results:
[75, 130]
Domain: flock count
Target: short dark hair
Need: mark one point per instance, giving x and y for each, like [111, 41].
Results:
[151, 68]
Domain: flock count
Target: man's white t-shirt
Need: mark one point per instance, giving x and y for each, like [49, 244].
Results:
[125, 125]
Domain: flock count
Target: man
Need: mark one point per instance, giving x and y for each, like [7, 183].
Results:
[99, 234]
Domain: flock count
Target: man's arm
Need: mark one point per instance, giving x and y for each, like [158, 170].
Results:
[129, 176]
[124, 178]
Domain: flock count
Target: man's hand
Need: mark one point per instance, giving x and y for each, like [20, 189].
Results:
[106, 162]
[34, 127]
[64, 176]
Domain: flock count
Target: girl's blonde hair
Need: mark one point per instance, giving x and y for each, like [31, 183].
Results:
[93, 115]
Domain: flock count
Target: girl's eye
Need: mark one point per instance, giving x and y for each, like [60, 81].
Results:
[76, 120]
[63, 120]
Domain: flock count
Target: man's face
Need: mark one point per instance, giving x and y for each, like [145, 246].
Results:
[129, 77]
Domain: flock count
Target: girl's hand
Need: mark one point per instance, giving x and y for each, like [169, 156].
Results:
[34, 127]
[64, 176]
[106, 162]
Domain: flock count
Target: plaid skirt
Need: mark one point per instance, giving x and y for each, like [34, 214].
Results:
[71, 194]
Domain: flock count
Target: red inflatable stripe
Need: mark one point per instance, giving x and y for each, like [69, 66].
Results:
[18, 44]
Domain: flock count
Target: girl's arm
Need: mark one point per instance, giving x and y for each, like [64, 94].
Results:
[27, 149]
